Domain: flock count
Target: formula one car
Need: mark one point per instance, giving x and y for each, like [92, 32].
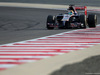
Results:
[72, 19]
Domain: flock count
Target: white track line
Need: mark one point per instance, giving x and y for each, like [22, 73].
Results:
[7, 65]
[49, 45]
[17, 60]
[44, 48]
[31, 53]
[62, 43]
[24, 56]
[25, 50]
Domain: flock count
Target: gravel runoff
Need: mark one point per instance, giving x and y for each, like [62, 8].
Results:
[90, 66]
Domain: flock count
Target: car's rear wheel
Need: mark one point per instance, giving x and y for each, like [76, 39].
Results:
[83, 21]
[92, 20]
[50, 22]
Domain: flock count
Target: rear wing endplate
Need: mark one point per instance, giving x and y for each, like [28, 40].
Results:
[81, 8]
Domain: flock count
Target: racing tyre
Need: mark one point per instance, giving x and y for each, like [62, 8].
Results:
[50, 22]
[83, 20]
[92, 20]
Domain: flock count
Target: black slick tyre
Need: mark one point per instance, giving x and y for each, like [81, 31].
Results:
[83, 20]
[92, 20]
[50, 22]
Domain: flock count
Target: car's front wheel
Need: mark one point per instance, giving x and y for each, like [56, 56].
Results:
[50, 22]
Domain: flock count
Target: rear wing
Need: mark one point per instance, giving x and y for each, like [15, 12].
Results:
[81, 8]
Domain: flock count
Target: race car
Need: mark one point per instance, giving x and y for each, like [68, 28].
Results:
[72, 19]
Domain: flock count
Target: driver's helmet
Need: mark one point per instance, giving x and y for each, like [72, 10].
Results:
[70, 12]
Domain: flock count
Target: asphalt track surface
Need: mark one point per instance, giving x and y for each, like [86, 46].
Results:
[64, 2]
[18, 24]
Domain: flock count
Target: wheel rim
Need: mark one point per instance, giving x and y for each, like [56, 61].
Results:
[95, 18]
